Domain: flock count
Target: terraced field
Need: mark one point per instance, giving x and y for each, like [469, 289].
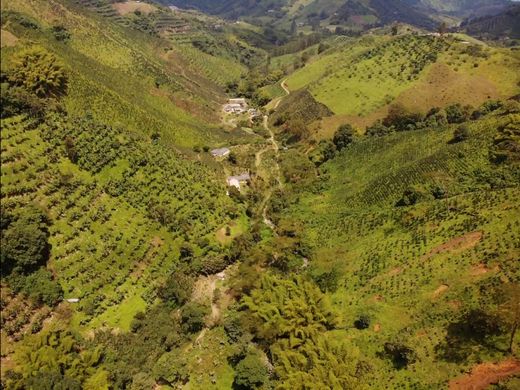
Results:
[104, 229]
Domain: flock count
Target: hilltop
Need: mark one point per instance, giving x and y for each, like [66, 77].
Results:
[502, 25]
[358, 79]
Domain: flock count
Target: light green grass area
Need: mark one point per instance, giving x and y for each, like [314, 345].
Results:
[362, 76]
[273, 91]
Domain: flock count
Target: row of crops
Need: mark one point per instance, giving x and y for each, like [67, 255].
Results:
[221, 67]
[394, 251]
[120, 207]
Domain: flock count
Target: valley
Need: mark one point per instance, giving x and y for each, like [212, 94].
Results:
[233, 195]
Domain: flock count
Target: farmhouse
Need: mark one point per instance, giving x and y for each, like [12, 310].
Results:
[236, 181]
[236, 106]
[221, 152]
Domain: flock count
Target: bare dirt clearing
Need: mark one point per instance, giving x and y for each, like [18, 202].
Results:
[132, 6]
[485, 374]
[7, 39]
[456, 244]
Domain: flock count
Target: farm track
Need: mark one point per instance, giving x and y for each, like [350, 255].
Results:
[277, 171]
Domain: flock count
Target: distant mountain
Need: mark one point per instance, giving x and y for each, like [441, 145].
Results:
[465, 8]
[504, 24]
[422, 13]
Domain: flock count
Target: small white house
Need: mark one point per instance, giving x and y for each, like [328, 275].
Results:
[72, 300]
[221, 152]
[236, 181]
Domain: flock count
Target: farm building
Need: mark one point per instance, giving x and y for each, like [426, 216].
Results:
[221, 152]
[236, 106]
[236, 181]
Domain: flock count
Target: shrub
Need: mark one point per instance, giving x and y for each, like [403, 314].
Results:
[251, 372]
[461, 133]
[343, 136]
[457, 114]
[38, 71]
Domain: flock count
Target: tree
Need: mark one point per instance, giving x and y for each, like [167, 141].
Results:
[192, 316]
[343, 136]
[298, 130]
[42, 289]
[25, 244]
[38, 71]
[232, 158]
[443, 27]
[401, 118]
[250, 372]
[177, 289]
[461, 133]
[400, 354]
[363, 322]
[293, 27]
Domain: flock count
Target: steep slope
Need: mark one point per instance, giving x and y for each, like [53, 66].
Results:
[405, 270]
[101, 189]
[352, 12]
[464, 8]
[359, 78]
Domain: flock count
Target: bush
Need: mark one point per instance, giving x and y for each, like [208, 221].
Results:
[60, 33]
[251, 372]
[461, 133]
[377, 130]
[400, 354]
[38, 71]
[343, 136]
[457, 114]
[192, 317]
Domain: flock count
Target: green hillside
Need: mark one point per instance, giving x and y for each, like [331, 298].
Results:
[353, 223]
[99, 178]
[409, 232]
[360, 78]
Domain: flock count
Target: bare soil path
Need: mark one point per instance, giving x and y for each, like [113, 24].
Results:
[276, 171]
